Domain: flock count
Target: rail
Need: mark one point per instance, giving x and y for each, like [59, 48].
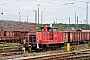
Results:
[60, 56]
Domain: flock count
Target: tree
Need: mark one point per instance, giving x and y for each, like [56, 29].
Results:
[61, 28]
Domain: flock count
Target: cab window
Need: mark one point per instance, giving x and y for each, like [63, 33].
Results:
[55, 30]
[50, 30]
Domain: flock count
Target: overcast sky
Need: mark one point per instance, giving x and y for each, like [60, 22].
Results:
[52, 10]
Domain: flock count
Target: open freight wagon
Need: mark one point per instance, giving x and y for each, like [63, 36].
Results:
[12, 31]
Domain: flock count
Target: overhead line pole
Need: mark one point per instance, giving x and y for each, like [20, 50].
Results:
[75, 19]
[27, 17]
[41, 17]
[87, 16]
[69, 23]
[77, 22]
[38, 13]
[35, 15]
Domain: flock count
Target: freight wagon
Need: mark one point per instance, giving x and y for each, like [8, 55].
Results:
[13, 31]
[78, 36]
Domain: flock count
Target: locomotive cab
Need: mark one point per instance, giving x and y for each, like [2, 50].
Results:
[49, 29]
[46, 29]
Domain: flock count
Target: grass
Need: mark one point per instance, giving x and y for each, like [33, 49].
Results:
[49, 52]
[62, 51]
[85, 59]
[82, 47]
[27, 54]
[12, 46]
[76, 48]
[34, 54]
[82, 59]
[0, 57]
[8, 45]
[89, 44]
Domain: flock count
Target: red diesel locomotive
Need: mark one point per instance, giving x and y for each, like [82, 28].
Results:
[48, 37]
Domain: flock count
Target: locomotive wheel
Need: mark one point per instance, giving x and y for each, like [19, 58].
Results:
[45, 49]
[50, 49]
[58, 48]
[13, 41]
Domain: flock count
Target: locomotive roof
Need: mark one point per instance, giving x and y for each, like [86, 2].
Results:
[17, 25]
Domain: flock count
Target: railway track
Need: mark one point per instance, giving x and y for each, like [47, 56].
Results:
[60, 56]
[8, 50]
[9, 54]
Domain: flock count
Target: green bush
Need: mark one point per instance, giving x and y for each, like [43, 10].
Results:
[34, 54]
[82, 58]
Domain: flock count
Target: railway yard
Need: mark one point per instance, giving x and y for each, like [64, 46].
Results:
[21, 41]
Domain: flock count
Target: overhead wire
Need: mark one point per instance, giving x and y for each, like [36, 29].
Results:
[40, 1]
[10, 2]
[47, 2]
[56, 3]
[81, 1]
